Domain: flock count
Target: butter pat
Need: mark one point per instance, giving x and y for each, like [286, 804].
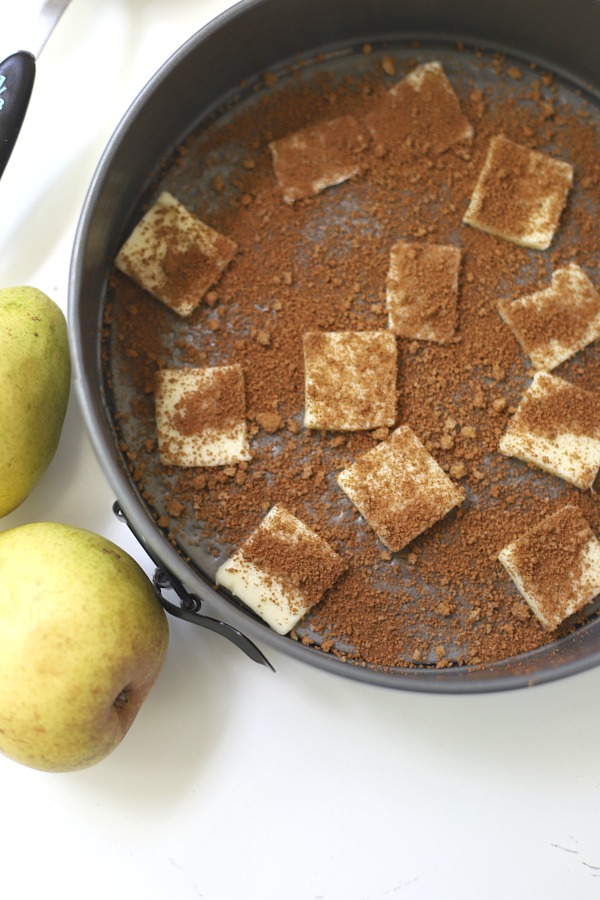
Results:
[350, 380]
[520, 194]
[422, 291]
[201, 416]
[318, 157]
[282, 570]
[399, 488]
[554, 324]
[420, 113]
[555, 566]
[557, 428]
[174, 255]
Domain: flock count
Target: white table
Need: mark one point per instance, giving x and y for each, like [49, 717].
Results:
[234, 783]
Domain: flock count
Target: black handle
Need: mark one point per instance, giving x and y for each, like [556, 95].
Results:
[17, 74]
[190, 605]
[190, 612]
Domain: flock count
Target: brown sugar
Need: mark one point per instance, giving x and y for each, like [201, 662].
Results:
[564, 408]
[320, 265]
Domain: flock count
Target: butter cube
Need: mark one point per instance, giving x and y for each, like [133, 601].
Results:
[555, 566]
[174, 255]
[399, 488]
[520, 194]
[282, 570]
[317, 157]
[350, 380]
[420, 113]
[422, 291]
[554, 324]
[201, 416]
[557, 428]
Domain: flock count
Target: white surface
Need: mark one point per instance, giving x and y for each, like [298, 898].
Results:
[234, 783]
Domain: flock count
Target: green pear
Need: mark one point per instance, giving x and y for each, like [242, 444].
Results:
[35, 375]
[82, 640]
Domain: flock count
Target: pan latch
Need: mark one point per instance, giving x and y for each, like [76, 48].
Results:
[189, 610]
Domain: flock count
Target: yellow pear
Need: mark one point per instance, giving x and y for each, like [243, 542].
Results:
[35, 373]
[82, 640]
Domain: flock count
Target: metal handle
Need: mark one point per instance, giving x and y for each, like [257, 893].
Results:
[190, 607]
[17, 74]
[190, 612]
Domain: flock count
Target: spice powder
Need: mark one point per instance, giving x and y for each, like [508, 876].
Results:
[321, 265]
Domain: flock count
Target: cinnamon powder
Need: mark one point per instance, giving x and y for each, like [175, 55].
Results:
[321, 265]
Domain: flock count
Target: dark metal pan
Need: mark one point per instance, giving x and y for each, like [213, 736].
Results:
[202, 80]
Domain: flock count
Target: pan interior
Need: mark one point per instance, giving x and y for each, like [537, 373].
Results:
[214, 155]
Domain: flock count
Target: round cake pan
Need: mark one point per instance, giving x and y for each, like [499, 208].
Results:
[204, 76]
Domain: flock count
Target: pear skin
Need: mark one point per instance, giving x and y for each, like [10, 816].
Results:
[83, 637]
[35, 375]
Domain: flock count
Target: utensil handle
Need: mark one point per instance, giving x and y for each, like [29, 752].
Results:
[17, 74]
